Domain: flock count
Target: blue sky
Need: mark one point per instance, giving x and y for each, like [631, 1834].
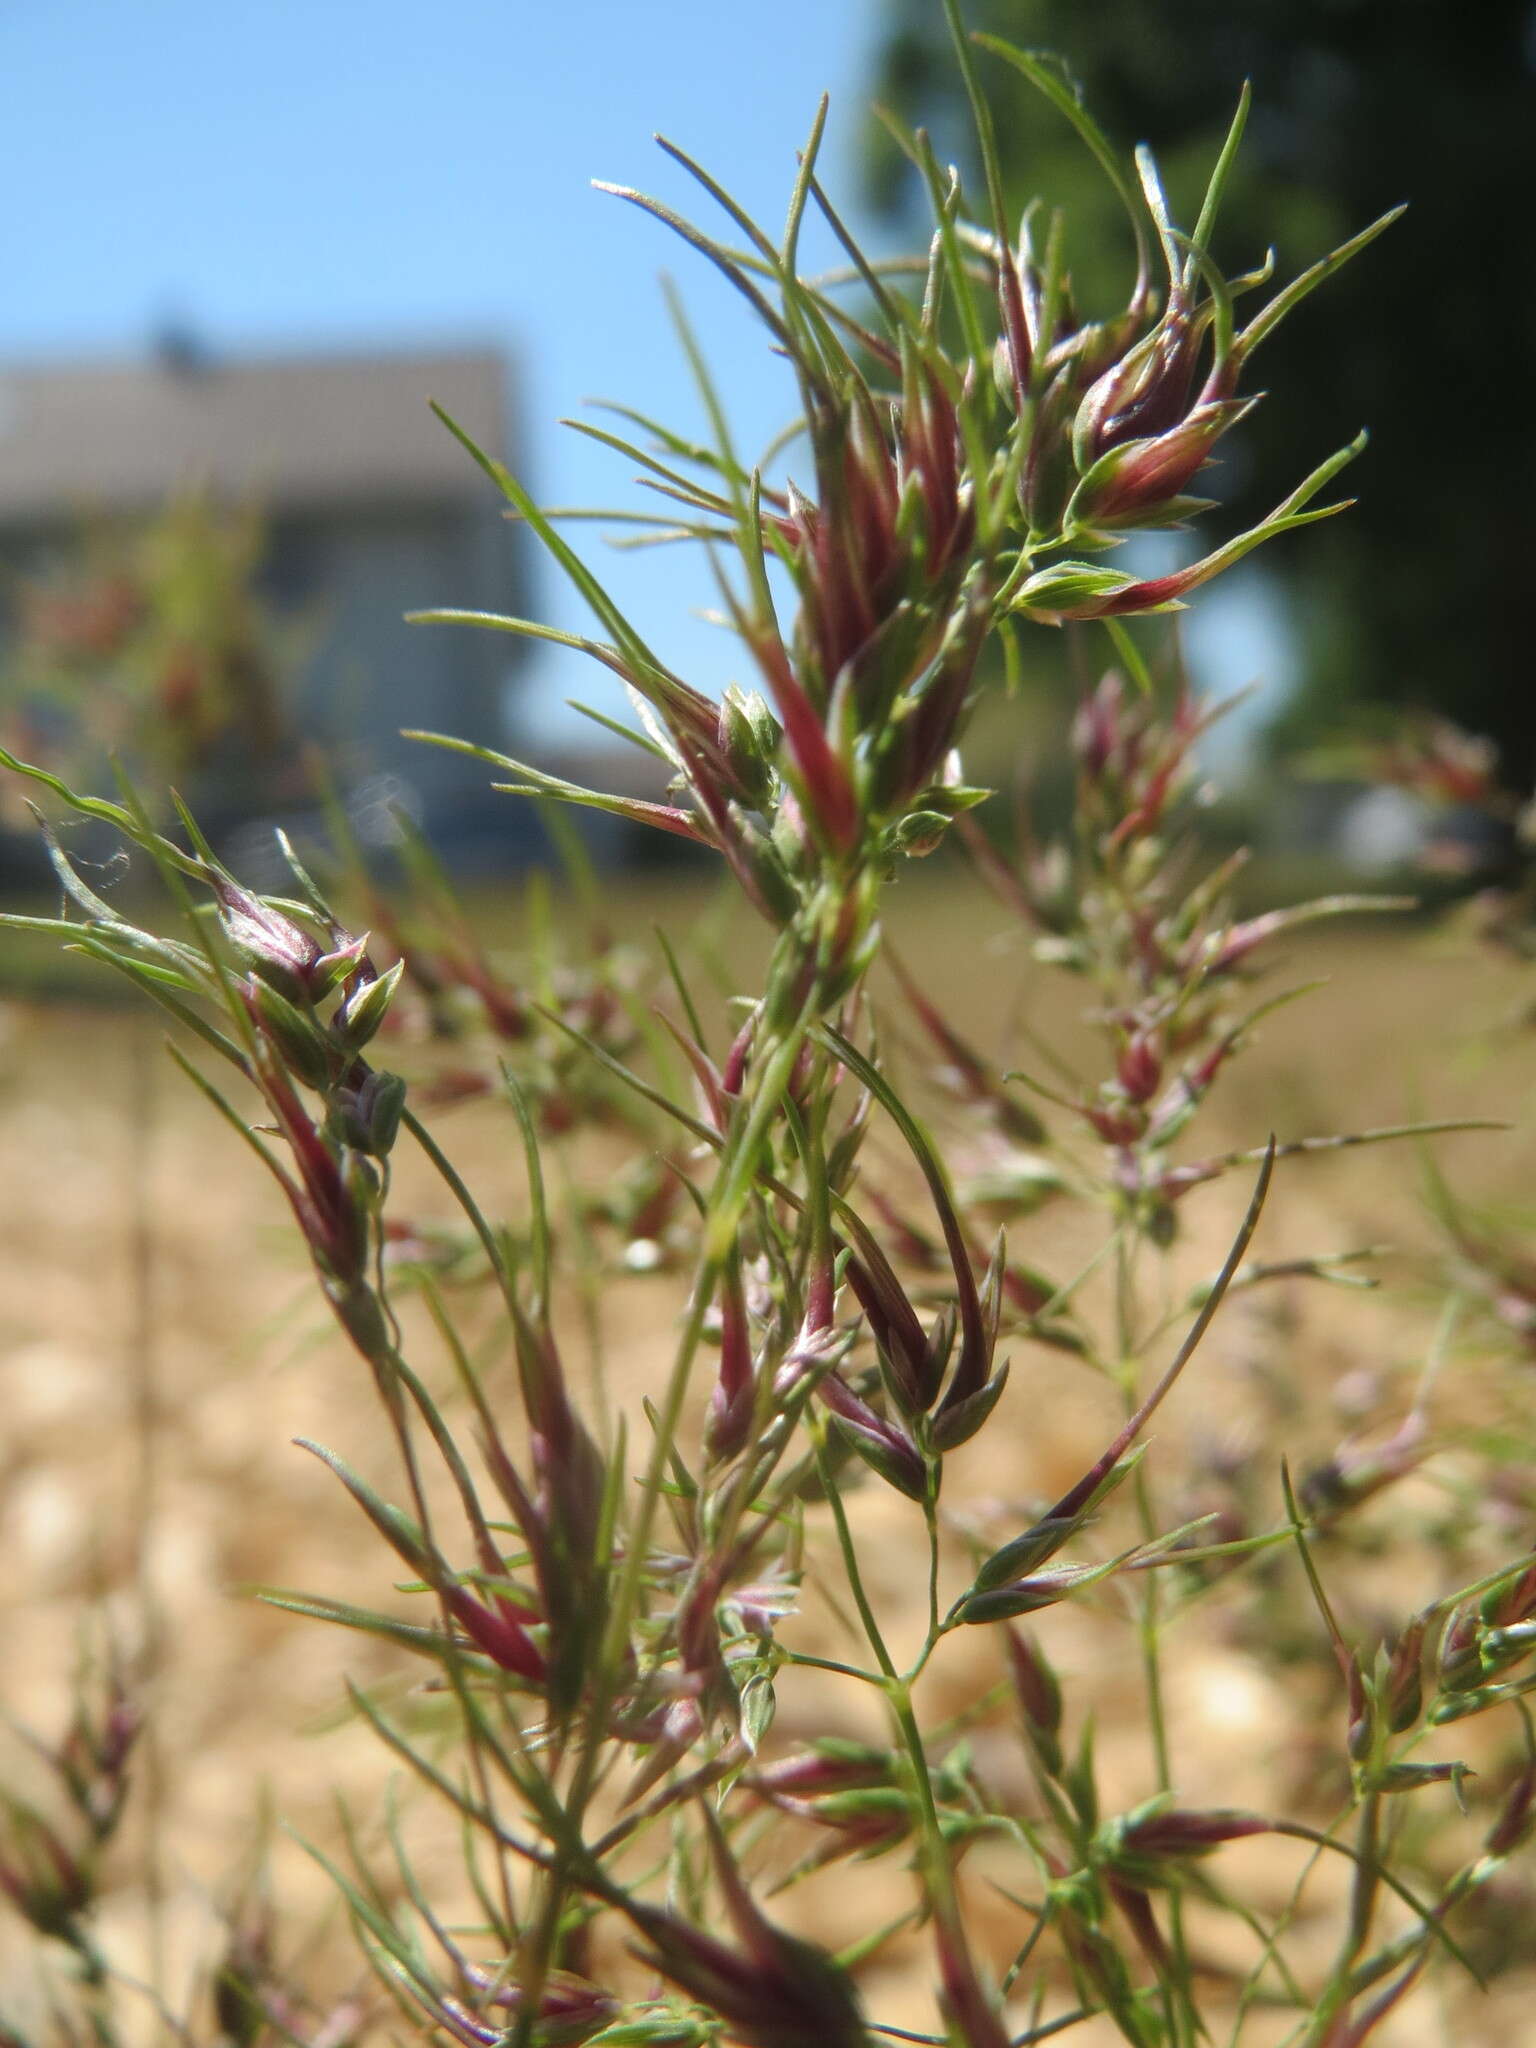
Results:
[286, 175]
[311, 173]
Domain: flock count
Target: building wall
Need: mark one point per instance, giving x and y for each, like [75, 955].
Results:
[345, 581]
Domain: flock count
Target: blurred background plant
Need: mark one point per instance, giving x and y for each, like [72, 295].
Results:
[148, 643]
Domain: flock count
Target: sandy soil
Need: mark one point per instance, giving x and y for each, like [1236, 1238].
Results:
[161, 1346]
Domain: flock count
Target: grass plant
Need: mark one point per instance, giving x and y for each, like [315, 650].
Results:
[612, 1609]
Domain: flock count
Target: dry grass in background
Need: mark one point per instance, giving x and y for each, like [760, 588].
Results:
[161, 1344]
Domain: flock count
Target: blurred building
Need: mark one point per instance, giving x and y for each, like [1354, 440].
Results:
[370, 509]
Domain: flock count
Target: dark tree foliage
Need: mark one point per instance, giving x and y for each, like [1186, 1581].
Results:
[1419, 597]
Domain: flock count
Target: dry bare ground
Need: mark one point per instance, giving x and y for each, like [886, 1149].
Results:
[161, 1346]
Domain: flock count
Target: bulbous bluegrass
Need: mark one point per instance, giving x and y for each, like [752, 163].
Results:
[613, 1668]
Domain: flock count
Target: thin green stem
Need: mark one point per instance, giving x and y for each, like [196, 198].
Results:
[1182, 2018]
[850, 1556]
[937, 1869]
[1362, 1902]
